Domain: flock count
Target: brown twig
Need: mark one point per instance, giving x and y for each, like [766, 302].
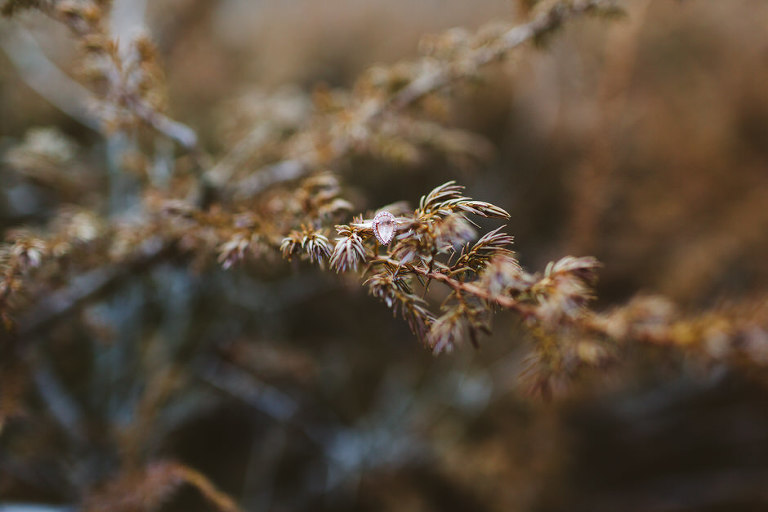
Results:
[477, 291]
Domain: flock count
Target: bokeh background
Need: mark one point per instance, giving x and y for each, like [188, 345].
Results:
[642, 141]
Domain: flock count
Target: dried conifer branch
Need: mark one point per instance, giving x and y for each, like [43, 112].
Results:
[381, 95]
[132, 92]
[167, 228]
[433, 244]
[439, 74]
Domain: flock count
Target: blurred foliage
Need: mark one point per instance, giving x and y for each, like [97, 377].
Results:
[193, 270]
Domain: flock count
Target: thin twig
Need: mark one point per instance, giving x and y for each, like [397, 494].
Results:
[477, 291]
[461, 286]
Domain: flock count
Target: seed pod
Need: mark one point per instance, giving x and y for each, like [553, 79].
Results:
[384, 227]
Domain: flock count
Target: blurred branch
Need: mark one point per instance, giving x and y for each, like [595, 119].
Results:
[220, 173]
[86, 286]
[443, 74]
[45, 78]
[270, 401]
[280, 172]
[432, 76]
[380, 439]
[180, 132]
[149, 487]
[124, 91]
[61, 405]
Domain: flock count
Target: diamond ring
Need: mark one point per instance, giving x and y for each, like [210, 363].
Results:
[384, 227]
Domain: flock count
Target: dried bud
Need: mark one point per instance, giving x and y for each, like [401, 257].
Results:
[348, 252]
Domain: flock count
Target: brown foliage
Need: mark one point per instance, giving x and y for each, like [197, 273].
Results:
[110, 388]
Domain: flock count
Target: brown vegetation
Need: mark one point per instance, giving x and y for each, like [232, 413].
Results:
[182, 322]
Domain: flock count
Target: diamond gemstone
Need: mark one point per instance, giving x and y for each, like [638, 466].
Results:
[384, 227]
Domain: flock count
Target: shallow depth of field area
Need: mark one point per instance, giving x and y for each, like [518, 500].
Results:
[202, 306]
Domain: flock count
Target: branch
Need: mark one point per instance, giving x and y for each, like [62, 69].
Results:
[444, 73]
[471, 288]
[45, 78]
[175, 130]
[86, 286]
[434, 75]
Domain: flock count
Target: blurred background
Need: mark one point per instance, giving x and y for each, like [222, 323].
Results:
[642, 141]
